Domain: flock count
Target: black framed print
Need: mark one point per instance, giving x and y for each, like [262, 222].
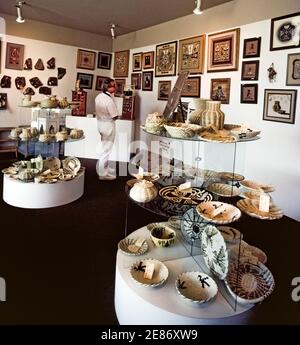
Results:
[249, 93]
[104, 60]
[251, 47]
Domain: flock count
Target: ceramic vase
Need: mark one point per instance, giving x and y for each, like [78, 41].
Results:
[213, 115]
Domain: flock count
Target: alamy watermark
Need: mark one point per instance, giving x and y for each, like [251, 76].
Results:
[296, 291]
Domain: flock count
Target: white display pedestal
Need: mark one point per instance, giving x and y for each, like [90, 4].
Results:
[41, 195]
[138, 305]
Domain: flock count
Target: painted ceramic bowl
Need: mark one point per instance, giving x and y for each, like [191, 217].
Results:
[218, 212]
[161, 234]
[128, 247]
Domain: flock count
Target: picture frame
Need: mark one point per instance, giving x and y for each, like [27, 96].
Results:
[120, 84]
[104, 60]
[165, 59]
[250, 70]
[223, 51]
[220, 90]
[86, 80]
[86, 59]
[251, 47]
[191, 55]
[147, 81]
[191, 87]
[121, 64]
[164, 90]
[280, 105]
[148, 60]
[136, 80]
[3, 101]
[249, 93]
[285, 32]
[14, 56]
[99, 82]
[293, 70]
[137, 62]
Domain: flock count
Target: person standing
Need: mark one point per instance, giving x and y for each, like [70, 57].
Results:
[106, 113]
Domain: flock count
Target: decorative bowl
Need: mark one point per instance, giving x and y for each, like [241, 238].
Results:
[245, 250]
[231, 235]
[52, 163]
[161, 234]
[229, 176]
[179, 130]
[251, 207]
[143, 191]
[228, 214]
[224, 190]
[127, 246]
[71, 165]
[196, 287]
[252, 185]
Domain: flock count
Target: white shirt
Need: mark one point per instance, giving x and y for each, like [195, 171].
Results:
[105, 107]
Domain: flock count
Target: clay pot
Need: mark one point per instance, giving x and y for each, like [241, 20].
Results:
[213, 115]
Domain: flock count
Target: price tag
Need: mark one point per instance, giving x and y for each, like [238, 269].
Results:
[221, 208]
[149, 270]
[185, 187]
[264, 203]
[141, 172]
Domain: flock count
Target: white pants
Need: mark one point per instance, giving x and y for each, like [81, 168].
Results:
[107, 130]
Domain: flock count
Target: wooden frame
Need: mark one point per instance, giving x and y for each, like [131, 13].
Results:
[249, 93]
[165, 59]
[280, 105]
[136, 80]
[121, 63]
[148, 60]
[104, 60]
[191, 87]
[223, 51]
[192, 54]
[86, 59]
[147, 81]
[285, 32]
[220, 90]
[86, 80]
[164, 90]
[3, 101]
[293, 69]
[120, 83]
[14, 56]
[250, 70]
[137, 62]
[99, 82]
[251, 47]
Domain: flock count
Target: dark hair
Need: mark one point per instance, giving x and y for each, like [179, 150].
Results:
[106, 83]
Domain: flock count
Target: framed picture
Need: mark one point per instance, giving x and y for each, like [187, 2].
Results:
[191, 54]
[147, 81]
[136, 80]
[223, 51]
[86, 59]
[285, 32]
[166, 55]
[148, 60]
[3, 101]
[191, 87]
[293, 69]
[14, 56]
[220, 90]
[280, 105]
[164, 90]
[99, 82]
[249, 93]
[137, 62]
[251, 47]
[104, 60]
[86, 80]
[121, 63]
[250, 70]
[120, 83]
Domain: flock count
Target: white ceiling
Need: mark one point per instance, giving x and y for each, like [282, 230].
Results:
[96, 15]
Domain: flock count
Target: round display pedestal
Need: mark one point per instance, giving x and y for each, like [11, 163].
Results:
[41, 195]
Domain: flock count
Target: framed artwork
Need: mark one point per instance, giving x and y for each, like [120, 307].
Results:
[166, 55]
[223, 51]
[293, 69]
[191, 87]
[250, 70]
[285, 32]
[86, 80]
[148, 60]
[136, 80]
[147, 81]
[86, 59]
[104, 60]
[14, 56]
[220, 90]
[249, 93]
[121, 63]
[191, 54]
[120, 84]
[280, 105]
[251, 47]
[164, 90]
[137, 62]
[99, 82]
[3, 101]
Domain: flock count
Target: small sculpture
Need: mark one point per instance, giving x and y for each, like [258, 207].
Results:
[44, 90]
[51, 63]
[52, 81]
[272, 73]
[29, 91]
[6, 81]
[39, 65]
[28, 64]
[20, 83]
[61, 72]
[35, 82]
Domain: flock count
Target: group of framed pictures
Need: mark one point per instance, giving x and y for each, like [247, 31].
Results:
[86, 59]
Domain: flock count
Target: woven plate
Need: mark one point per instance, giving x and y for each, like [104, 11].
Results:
[221, 136]
[247, 251]
[125, 246]
[251, 185]
[251, 207]
[225, 190]
[231, 235]
[229, 215]
[173, 194]
[229, 176]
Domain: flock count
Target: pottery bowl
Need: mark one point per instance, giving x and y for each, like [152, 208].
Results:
[162, 235]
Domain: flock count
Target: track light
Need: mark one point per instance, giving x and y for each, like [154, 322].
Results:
[112, 30]
[197, 10]
[19, 6]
